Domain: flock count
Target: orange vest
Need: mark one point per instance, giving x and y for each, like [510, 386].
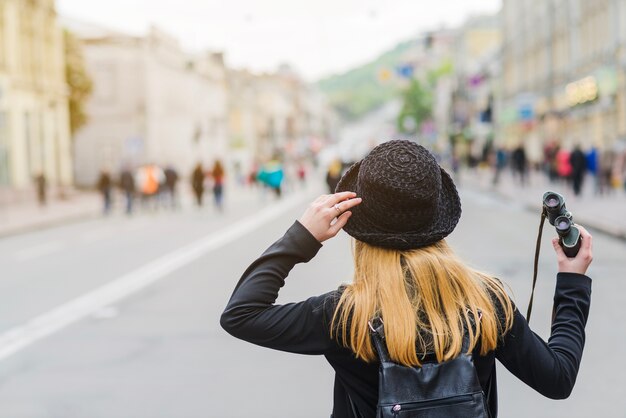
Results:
[151, 183]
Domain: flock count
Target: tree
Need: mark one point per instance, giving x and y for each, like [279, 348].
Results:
[416, 108]
[78, 81]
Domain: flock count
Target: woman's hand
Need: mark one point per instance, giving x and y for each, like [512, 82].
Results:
[580, 263]
[318, 218]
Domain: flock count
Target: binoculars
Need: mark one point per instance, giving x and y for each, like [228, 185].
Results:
[561, 219]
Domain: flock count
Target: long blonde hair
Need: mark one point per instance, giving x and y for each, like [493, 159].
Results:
[426, 291]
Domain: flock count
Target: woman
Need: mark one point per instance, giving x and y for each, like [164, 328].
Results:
[218, 184]
[105, 185]
[197, 183]
[399, 205]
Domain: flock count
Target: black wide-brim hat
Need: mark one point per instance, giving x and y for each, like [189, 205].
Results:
[409, 201]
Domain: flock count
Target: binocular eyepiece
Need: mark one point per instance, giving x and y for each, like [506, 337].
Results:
[558, 216]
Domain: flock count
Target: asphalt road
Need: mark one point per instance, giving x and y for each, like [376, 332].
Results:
[145, 341]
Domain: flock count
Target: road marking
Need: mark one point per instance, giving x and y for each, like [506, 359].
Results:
[37, 251]
[48, 323]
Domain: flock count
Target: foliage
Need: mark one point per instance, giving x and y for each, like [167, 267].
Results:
[416, 107]
[360, 90]
[79, 83]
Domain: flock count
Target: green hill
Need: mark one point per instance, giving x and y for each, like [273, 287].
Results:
[360, 90]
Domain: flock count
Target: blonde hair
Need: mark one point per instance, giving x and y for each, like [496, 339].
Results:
[422, 291]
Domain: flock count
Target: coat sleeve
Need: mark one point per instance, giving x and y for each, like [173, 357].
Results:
[551, 368]
[251, 314]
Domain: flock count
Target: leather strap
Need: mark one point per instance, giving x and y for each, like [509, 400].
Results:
[536, 264]
[377, 329]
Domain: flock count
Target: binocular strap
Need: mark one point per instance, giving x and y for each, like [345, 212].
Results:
[537, 248]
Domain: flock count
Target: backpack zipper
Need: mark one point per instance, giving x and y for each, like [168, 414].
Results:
[414, 406]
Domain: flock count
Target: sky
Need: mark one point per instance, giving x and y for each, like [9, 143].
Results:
[316, 37]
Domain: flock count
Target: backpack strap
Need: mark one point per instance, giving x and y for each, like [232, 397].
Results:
[377, 330]
[466, 341]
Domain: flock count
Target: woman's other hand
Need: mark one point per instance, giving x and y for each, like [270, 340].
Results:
[319, 216]
[583, 259]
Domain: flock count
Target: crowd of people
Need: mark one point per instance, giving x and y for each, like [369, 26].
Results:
[154, 187]
[151, 185]
[570, 166]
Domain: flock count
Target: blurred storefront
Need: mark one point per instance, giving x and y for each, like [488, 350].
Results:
[34, 120]
[563, 73]
[476, 53]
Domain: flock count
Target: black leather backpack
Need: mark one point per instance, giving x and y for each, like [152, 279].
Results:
[449, 389]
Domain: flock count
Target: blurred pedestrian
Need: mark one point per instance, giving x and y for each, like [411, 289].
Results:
[42, 186]
[436, 323]
[592, 158]
[127, 184]
[105, 185]
[578, 161]
[171, 181]
[605, 171]
[563, 165]
[252, 174]
[333, 175]
[197, 183]
[217, 173]
[302, 173]
[272, 175]
[150, 177]
[500, 163]
[549, 160]
[519, 161]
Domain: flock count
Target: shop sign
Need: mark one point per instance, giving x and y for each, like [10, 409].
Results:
[526, 107]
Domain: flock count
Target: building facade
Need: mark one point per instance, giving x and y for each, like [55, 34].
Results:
[275, 114]
[564, 73]
[476, 54]
[34, 119]
[152, 103]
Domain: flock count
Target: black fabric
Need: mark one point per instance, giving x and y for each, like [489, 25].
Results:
[548, 367]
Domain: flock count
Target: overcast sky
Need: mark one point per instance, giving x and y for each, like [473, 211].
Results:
[316, 37]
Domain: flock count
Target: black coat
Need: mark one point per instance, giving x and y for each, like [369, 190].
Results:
[550, 368]
[578, 161]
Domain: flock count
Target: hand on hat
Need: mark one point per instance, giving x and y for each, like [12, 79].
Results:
[319, 216]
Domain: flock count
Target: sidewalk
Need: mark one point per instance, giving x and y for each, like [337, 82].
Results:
[604, 214]
[28, 216]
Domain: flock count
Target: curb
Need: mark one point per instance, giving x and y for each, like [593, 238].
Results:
[47, 224]
[594, 224]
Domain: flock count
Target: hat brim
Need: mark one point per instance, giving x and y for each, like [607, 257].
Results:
[364, 229]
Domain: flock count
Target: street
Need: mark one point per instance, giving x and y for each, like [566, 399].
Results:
[151, 345]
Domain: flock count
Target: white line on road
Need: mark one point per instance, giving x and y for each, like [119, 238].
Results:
[48, 323]
[37, 251]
